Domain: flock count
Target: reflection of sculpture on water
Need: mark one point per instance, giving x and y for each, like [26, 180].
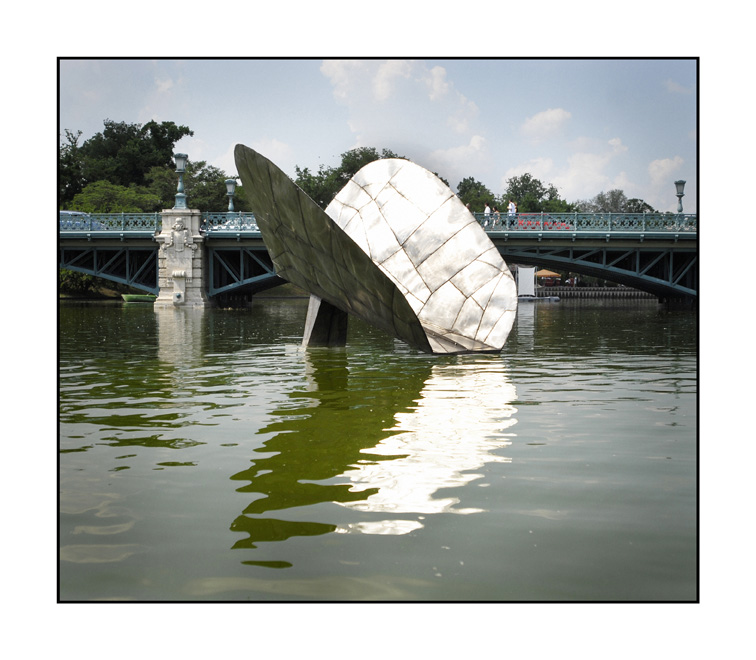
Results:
[355, 440]
[461, 419]
[346, 408]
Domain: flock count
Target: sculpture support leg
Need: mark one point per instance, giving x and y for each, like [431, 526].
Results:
[326, 325]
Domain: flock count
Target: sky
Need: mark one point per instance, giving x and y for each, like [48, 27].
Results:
[584, 125]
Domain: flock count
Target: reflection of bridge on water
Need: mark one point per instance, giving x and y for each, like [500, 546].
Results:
[653, 252]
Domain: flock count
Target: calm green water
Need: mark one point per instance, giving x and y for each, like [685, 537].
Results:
[204, 455]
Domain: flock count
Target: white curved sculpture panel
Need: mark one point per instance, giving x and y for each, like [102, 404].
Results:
[418, 232]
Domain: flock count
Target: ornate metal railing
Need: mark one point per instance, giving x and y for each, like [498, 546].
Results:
[231, 222]
[587, 222]
[235, 222]
[212, 223]
[116, 222]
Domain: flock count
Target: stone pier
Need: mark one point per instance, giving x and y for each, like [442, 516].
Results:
[181, 267]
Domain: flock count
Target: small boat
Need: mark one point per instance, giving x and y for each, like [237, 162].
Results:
[139, 297]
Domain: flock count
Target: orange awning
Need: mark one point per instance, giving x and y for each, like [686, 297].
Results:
[547, 273]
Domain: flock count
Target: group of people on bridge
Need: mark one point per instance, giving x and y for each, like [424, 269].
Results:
[494, 217]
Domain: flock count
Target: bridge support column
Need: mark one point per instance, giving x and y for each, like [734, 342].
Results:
[181, 260]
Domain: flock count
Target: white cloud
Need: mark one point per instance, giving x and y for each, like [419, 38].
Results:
[617, 146]
[545, 124]
[438, 86]
[386, 97]
[662, 170]
[274, 150]
[440, 90]
[663, 173]
[458, 162]
[385, 77]
[162, 86]
[540, 168]
[341, 74]
[355, 81]
[462, 113]
[586, 174]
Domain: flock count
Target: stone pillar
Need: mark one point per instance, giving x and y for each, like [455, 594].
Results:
[181, 264]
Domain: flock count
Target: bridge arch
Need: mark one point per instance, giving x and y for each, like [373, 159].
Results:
[134, 266]
[666, 272]
[238, 268]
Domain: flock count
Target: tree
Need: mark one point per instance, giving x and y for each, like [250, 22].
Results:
[106, 197]
[321, 188]
[70, 168]
[636, 205]
[533, 196]
[121, 154]
[354, 160]
[326, 184]
[204, 186]
[74, 283]
[557, 206]
[474, 194]
[613, 201]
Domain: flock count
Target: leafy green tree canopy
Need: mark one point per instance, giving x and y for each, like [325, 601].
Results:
[124, 153]
[474, 194]
[121, 154]
[533, 196]
[325, 185]
[70, 168]
[204, 186]
[613, 201]
[106, 197]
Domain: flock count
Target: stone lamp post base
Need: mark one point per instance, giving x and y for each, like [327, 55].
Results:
[181, 269]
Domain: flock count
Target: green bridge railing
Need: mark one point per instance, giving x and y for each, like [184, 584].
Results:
[71, 222]
[232, 222]
[590, 222]
[74, 222]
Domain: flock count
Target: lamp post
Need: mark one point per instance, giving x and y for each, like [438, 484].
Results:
[680, 185]
[180, 169]
[230, 188]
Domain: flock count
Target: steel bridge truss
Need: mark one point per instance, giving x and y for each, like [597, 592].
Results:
[231, 268]
[135, 266]
[663, 271]
[652, 252]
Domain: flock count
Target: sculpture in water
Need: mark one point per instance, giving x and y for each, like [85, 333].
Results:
[395, 247]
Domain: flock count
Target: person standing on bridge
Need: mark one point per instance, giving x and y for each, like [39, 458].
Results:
[511, 212]
[486, 215]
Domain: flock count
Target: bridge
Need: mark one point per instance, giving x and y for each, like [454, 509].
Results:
[177, 252]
